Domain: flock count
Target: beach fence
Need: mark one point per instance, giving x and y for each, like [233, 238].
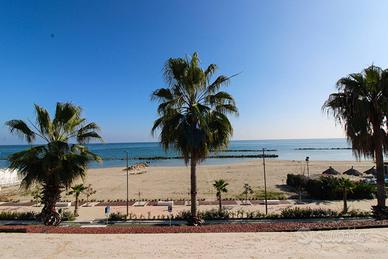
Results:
[9, 177]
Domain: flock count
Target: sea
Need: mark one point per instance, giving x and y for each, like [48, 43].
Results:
[114, 154]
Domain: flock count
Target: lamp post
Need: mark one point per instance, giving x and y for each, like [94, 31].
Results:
[308, 169]
[126, 152]
[265, 185]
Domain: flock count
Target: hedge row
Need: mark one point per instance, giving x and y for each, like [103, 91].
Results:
[327, 187]
[13, 215]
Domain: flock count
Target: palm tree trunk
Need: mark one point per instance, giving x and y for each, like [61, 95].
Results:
[345, 210]
[379, 168]
[193, 182]
[219, 203]
[51, 195]
[76, 205]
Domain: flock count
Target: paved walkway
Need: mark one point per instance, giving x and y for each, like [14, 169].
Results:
[371, 243]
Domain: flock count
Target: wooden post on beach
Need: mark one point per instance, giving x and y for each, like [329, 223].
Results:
[127, 183]
[265, 185]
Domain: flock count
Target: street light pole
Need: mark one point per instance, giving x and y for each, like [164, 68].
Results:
[308, 169]
[265, 185]
[127, 182]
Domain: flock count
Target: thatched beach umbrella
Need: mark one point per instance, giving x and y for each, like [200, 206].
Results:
[330, 171]
[353, 172]
[371, 171]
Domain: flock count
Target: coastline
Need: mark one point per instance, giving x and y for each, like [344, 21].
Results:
[113, 154]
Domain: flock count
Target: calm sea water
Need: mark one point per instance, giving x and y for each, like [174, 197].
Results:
[113, 154]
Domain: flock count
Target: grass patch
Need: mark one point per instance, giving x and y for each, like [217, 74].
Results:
[259, 194]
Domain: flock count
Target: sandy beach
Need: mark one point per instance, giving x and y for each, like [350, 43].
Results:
[370, 243]
[174, 182]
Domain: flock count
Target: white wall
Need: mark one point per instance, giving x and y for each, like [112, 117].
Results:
[9, 177]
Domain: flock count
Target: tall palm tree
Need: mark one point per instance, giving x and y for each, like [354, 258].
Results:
[77, 190]
[361, 106]
[193, 114]
[56, 163]
[220, 186]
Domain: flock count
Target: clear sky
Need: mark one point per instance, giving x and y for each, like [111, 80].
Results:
[107, 56]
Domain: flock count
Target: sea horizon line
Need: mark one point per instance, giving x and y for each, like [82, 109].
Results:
[155, 142]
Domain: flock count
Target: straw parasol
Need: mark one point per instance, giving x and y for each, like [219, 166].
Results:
[353, 172]
[371, 171]
[330, 171]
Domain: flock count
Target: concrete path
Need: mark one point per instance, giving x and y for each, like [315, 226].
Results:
[370, 243]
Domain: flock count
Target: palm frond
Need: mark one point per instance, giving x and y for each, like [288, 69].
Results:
[21, 128]
[43, 120]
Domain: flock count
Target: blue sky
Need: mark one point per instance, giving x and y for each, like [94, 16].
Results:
[107, 56]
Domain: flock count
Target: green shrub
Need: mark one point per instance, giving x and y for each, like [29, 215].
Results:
[363, 191]
[296, 180]
[380, 213]
[67, 215]
[205, 215]
[183, 215]
[272, 216]
[327, 187]
[260, 195]
[117, 216]
[271, 195]
[358, 213]
[12, 215]
[290, 213]
[214, 214]
[256, 215]
[302, 213]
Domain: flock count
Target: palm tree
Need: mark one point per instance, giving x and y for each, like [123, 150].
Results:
[361, 105]
[77, 190]
[56, 163]
[247, 190]
[345, 186]
[220, 186]
[193, 114]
